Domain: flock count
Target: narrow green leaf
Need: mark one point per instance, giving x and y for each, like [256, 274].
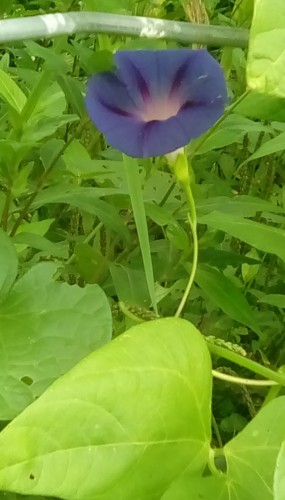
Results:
[73, 94]
[226, 295]
[241, 205]
[86, 199]
[100, 431]
[136, 195]
[11, 93]
[270, 147]
[273, 299]
[266, 238]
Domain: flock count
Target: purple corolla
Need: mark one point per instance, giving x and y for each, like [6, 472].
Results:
[156, 101]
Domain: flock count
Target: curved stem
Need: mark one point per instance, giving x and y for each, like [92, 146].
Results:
[253, 366]
[129, 314]
[241, 380]
[192, 217]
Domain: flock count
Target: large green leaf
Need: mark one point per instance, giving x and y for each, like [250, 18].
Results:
[220, 290]
[250, 464]
[266, 57]
[8, 264]
[251, 456]
[122, 424]
[45, 329]
[201, 488]
[266, 238]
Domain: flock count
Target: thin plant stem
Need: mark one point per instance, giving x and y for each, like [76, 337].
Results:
[217, 431]
[6, 209]
[192, 217]
[244, 362]
[86, 240]
[205, 137]
[242, 381]
[129, 314]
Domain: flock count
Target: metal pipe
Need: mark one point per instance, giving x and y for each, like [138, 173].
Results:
[50, 25]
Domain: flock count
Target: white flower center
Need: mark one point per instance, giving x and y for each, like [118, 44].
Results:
[160, 109]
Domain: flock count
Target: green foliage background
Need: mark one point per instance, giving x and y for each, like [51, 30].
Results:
[84, 417]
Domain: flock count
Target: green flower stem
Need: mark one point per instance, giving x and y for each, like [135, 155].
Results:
[192, 217]
[253, 366]
[179, 164]
[50, 25]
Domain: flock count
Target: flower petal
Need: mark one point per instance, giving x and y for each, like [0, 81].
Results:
[149, 73]
[148, 85]
[200, 80]
[107, 89]
[162, 137]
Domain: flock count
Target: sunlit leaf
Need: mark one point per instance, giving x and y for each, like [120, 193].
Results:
[266, 57]
[101, 430]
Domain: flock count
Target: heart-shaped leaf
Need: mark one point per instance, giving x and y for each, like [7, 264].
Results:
[122, 424]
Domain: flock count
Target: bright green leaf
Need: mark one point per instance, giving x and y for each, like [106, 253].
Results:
[251, 455]
[101, 431]
[250, 460]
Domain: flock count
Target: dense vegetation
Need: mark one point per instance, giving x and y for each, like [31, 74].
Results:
[94, 243]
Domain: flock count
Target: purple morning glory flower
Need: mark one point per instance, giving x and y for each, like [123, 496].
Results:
[156, 101]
